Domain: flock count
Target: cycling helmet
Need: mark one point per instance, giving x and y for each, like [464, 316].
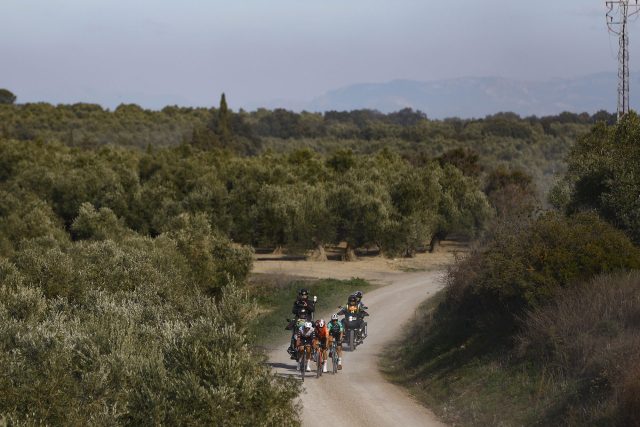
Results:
[320, 323]
[334, 316]
[303, 293]
[352, 299]
[308, 325]
[358, 295]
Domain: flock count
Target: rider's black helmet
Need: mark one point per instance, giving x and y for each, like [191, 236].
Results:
[358, 295]
[352, 299]
[303, 293]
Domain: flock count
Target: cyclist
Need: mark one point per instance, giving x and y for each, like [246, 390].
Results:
[305, 336]
[322, 341]
[303, 311]
[336, 332]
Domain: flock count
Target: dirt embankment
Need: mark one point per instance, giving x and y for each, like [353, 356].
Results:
[359, 395]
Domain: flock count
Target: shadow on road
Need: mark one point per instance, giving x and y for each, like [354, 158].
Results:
[291, 366]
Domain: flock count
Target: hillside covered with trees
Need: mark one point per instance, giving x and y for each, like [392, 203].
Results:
[126, 239]
[539, 324]
[122, 265]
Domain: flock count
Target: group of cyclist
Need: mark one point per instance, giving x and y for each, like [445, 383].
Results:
[318, 335]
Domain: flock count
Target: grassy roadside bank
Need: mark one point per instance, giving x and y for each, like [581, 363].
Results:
[591, 378]
[539, 326]
[468, 385]
[275, 294]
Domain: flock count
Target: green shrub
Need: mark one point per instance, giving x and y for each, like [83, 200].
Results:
[173, 263]
[134, 357]
[212, 259]
[96, 224]
[521, 269]
[49, 268]
[24, 216]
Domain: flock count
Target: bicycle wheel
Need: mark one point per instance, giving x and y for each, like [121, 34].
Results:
[303, 362]
[319, 362]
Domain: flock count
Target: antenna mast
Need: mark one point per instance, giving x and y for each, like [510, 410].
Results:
[618, 13]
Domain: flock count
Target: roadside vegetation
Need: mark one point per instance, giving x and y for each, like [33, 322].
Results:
[129, 331]
[539, 324]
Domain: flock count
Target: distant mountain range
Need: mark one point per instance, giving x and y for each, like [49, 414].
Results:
[478, 96]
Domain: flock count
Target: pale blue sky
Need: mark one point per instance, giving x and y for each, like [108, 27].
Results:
[158, 52]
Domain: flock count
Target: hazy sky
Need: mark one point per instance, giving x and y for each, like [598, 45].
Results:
[158, 52]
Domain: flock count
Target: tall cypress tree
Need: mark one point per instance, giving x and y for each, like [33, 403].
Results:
[223, 120]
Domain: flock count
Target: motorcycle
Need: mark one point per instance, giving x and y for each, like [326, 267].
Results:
[355, 328]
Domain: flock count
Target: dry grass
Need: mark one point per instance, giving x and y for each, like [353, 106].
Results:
[630, 398]
[590, 336]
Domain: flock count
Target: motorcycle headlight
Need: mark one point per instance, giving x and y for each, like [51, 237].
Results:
[351, 318]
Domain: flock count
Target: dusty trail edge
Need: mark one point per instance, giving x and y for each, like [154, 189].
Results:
[359, 395]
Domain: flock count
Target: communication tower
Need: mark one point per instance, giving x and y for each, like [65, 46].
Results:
[618, 14]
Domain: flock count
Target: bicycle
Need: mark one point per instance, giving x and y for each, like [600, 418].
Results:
[319, 358]
[306, 349]
[334, 356]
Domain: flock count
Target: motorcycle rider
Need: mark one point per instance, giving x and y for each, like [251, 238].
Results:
[302, 307]
[322, 341]
[358, 295]
[361, 308]
[303, 311]
[305, 335]
[352, 305]
[336, 332]
[354, 308]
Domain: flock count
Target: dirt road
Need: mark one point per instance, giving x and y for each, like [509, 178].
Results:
[358, 395]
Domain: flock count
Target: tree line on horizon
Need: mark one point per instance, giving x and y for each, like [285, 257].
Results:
[536, 145]
[30, 120]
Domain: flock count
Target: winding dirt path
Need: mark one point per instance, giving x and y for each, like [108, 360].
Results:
[359, 395]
